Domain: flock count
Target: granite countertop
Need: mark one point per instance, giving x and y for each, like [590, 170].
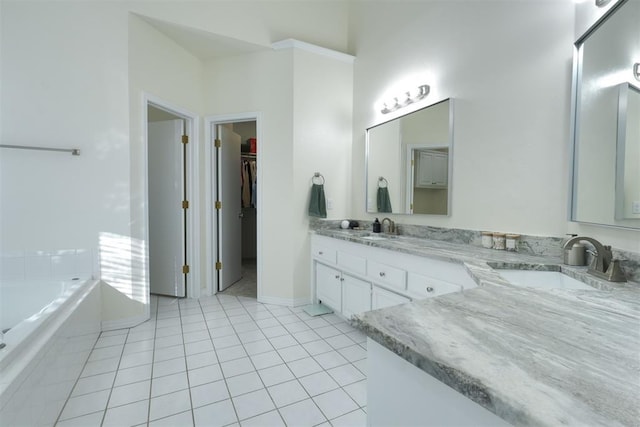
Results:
[531, 356]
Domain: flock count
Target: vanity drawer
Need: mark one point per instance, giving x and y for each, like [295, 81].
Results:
[324, 253]
[385, 274]
[352, 262]
[419, 286]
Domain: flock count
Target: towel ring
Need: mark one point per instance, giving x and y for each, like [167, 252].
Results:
[381, 180]
[317, 175]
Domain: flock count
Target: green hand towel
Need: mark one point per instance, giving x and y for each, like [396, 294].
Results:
[317, 204]
[384, 201]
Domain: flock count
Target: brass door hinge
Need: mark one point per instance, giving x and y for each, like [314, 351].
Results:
[185, 269]
[218, 265]
[185, 204]
[216, 142]
[185, 139]
[218, 204]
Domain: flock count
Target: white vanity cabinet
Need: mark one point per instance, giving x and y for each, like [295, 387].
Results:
[352, 278]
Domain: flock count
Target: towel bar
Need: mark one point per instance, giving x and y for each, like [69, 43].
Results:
[317, 175]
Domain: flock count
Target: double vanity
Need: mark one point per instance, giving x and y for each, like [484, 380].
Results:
[463, 335]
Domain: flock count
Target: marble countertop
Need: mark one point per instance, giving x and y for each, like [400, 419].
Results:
[531, 356]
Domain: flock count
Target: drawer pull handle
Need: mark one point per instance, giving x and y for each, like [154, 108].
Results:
[321, 253]
[429, 289]
[382, 274]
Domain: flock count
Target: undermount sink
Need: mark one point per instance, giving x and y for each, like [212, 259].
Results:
[542, 279]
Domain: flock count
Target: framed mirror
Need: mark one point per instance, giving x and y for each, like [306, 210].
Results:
[409, 162]
[606, 121]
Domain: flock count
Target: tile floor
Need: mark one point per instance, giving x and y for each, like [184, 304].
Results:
[223, 360]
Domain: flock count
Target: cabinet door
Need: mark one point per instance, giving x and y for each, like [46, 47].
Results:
[329, 286]
[425, 170]
[420, 286]
[356, 296]
[440, 164]
[433, 169]
[381, 298]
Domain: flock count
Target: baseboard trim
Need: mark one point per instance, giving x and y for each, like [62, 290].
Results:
[288, 302]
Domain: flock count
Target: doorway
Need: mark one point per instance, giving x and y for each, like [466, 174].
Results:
[169, 185]
[235, 193]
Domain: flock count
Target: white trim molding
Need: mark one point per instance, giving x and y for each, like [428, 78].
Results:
[297, 44]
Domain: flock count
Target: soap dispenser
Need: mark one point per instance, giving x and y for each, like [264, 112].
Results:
[376, 226]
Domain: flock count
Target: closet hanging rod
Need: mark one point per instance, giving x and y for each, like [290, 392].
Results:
[73, 151]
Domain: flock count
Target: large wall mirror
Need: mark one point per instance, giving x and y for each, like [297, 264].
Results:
[409, 162]
[606, 121]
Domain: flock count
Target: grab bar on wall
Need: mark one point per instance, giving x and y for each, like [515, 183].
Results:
[73, 151]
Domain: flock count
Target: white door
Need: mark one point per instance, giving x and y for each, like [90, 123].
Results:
[230, 214]
[166, 216]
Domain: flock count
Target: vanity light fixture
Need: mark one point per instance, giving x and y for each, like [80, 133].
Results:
[405, 98]
[636, 70]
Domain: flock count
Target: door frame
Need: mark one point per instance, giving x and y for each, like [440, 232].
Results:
[193, 187]
[210, 183]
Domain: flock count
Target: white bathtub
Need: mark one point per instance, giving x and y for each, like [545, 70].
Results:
[54, 325]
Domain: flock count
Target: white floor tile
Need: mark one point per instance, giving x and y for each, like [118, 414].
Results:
[330, 360]
[196, 336]
[93, 419]
[267, 323]
[222, 331]
[358, 392]
[141, 336]
[169, 341]
[251, 336]
[204, 375]
[193, 327]
[287, 393]
[339, 341]
[127, 415]
[183, 419]
[130, 393]
[317, 322]
[133, 375]
[169, 404]
[266, 360]
[237, 367]
[138, 346]
[100, 367]
[169, 384]
[318, 346]
[108, 341]
[357, 418]
[346, 374]
[105, 353]
[167, 353]
[85, 404]
[252, 404]
[244, 383]
[298, 326]
[245, 326]
[304, 367]
[216, 414]
[193, 318]
[362, 366]
[327, 331]
[168, 367]
[283, 341]
[236, 320]
[257, 347]
[94, 383]
[275, 375]
[224, 342]
[288, 319]
[136, 359]
[209, 393]
[304, 413]
[318, 383]
[166, 332]
[357, 337]
[270, 419]
[292, 353]
[335, 403]
[198, 347]
[231, 353]
[274, 331]
[201, 360]
[353, 353]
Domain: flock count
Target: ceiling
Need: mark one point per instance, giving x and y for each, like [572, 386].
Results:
[202, 44]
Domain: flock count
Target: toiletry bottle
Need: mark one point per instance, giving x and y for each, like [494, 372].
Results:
[376, 226]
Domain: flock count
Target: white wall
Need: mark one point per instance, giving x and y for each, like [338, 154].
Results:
[508, 67]
[304, 101]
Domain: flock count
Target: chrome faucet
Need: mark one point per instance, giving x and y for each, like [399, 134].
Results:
[392, 226]
[603, 264]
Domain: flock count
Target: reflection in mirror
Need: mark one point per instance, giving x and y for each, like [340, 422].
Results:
[628, 153]
[603, 157]
[409, 162]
